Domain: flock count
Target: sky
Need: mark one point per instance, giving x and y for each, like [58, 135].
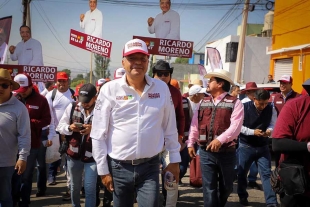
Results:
[51, 21]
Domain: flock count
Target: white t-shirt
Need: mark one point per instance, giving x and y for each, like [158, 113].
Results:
[57, 108]
[166, 26]
[92, 23]
[127, 126]
[28, 53]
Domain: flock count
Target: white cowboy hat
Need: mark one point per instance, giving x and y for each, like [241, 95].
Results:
[221, 73]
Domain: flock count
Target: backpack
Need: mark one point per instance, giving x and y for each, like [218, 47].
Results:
[55, 90]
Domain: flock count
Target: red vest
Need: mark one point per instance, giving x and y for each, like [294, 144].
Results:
[80, 148]
[214, 120]
[278, 100]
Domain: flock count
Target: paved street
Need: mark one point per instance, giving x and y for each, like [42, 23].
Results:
[189, 196]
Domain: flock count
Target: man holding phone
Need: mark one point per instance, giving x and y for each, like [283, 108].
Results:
[76, 124]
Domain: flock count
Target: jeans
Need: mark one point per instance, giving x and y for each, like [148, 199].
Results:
[261, 156]
[252, 177]
[141, 179]
[6, 186]
[41, 164]
[76, 168]
[217, 176]
[184, 162]
[26, 178]
[52, 169]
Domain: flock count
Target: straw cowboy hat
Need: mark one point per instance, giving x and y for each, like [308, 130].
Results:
[5, 75]
[221, 73]
[196, 82]
[249, 86]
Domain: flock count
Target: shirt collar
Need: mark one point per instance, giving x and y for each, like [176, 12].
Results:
[148, 79]
[220, 97]
[11, 101]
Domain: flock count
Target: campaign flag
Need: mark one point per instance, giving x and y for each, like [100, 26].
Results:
[37, 73]
[214, 58]
[91, 43]
[167, 47]
[5, 30]
[202, 73]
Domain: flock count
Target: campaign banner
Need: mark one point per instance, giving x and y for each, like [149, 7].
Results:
[93, 44]
[37, 73]
[5, 30]
[166, 47]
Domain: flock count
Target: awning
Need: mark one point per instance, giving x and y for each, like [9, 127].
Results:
[286, 49]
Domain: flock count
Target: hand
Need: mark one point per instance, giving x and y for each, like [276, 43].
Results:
[258, 132]
[107, 181]
[191, 152]
[267, 133]
[150, 21]
[82, 17]
[74, 128]
[20, 166]
[214, 146]
[174, 168]
[12, 49]
[86, 129]
[49, 143]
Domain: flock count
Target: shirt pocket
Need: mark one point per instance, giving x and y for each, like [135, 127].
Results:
[28, 54]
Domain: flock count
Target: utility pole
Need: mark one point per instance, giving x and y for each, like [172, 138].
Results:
[26, 13]
[240, 54]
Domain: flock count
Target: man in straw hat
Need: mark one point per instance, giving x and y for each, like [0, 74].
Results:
[216, 127]
[15, 136]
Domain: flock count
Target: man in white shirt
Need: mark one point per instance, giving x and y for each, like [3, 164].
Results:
[133, 119]
[91, 21]
[3, 46]
[166, 25]
[28, 51]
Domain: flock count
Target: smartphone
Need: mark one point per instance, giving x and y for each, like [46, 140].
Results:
[79, 125]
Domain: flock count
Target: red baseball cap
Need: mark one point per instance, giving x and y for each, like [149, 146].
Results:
[62, 76]
[286, 79]
[135, 46]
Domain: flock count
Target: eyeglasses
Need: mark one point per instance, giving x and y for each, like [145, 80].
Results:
[4, 85]
[160, 74]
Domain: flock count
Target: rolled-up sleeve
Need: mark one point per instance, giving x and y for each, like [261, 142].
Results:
[100, 124]
[170, 130]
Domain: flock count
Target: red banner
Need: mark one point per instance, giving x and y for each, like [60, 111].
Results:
[166, 47]
[93, 44]
[37, 73]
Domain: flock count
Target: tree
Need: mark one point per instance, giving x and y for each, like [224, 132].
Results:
[102, 64]
[67, 71]
[181, 60]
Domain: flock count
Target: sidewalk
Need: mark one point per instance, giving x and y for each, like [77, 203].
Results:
[189, 196]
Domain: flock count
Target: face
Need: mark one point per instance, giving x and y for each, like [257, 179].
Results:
[25, 33]
[92, 4]
[165, 5]
[5, 90]
[270, 77]
[236, 92]
[197, 97]
[213, 85]
[285, 87]
[163, 75]
[260, 104]
[62, 85]
[135, 65]
[250, 94]
[90, 104]
[26, 93]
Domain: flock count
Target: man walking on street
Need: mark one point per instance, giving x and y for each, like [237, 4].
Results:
[40, 116]
[15, 136]
[133, 119]
[216, 127]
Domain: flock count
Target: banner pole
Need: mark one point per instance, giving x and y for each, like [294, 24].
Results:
[91, 68]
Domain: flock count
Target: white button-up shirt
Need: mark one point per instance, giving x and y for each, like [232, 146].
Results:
[92, 23]
[28, 53]
[166, 26]
[127, 126]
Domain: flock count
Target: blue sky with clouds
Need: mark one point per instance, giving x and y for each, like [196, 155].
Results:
[53, 19]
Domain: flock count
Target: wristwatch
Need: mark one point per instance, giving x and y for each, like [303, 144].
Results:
[69, 129]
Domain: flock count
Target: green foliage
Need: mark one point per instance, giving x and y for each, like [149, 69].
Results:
[102, 65]
[181, 60]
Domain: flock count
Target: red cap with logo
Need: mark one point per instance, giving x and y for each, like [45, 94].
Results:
[24, 81]
[286, 79]
[135, 46]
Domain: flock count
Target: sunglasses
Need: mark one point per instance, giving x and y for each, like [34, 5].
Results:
[4, 85]
[166, 74]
